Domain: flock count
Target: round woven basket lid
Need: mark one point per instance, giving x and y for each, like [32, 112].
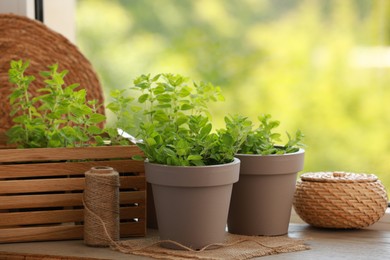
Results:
[338, 177]
[27, 39]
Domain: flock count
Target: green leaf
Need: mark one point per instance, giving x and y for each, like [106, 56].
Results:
[169, 152]
[181, 120]
[114, 107]
[194, 157]
[164, 98]
[205, 131]
[151, 142]
[185, 92]
[155, 78]
[227, 140]
[96, 118]
[73, 87]
[94, 130]
[186, 107]
[143, 98]
[161, 116]
[182, 147]
[158, 90]
[20, 119]
[137, 157]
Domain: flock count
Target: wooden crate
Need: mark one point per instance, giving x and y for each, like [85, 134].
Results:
[41, 191]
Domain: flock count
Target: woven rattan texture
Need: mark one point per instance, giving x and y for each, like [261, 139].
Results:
[340, 205]
[338, 177]
[24, 38]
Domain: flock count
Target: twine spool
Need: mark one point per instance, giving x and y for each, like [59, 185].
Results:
[101, 203]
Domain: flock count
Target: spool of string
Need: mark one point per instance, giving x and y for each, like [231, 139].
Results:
[101, 206]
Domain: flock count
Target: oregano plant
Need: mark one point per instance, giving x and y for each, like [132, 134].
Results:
[123, 116]
[58, 116]
[176, 126]
[264, 141]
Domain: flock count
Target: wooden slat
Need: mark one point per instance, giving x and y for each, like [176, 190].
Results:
[132, 212]
[19, 234]
[61, 184]
[68, 168]
[133, 197]
[41, 217]
[25, 234]
[9, 235]
[60, 200]
[132, 229]
[77, 153]
[133, 182]
[60, 216]
[46, 185]
[40, 200]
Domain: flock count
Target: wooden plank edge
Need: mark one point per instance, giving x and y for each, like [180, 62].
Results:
[74, 153]
[53, 233]
[29, 170]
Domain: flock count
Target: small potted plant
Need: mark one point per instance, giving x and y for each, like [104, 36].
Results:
[191, 167]
[262, 199]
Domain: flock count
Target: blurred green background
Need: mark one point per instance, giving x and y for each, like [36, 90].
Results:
[318, 65]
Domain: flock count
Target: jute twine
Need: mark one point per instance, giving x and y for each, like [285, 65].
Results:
[101, 203]
[235, 247]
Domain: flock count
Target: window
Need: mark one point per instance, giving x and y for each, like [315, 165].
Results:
[320, 66]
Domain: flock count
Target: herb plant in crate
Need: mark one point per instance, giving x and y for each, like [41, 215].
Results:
[55, 140]
[191, 167]
[59, 117]
[262, 199]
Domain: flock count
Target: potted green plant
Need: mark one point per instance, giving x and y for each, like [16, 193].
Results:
[55, 139]
[191, 167]
[262, 199]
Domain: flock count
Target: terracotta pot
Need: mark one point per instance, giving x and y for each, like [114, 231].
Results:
[192, 203]
[262, 199]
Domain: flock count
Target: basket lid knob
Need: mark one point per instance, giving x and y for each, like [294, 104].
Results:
[338, 174]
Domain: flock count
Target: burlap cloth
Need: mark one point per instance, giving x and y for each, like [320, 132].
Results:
[235, 247]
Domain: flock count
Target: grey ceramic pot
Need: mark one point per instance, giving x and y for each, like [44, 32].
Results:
[192, 203]
[262, 199]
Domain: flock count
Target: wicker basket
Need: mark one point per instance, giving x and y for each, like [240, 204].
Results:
[340, 199]
[27, 39]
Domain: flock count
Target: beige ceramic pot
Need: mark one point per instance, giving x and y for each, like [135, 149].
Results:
[262, 199]
[192, 202]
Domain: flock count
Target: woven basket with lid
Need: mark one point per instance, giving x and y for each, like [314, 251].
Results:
[27, 39]
[340, 199]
